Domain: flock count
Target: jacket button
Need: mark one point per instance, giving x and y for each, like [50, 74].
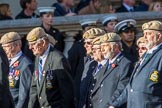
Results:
[42, 107]
[40, 97]
[93, 84]
[100, 100]
[91, 91]
[131, 90]
[101, 85]
[90, 105]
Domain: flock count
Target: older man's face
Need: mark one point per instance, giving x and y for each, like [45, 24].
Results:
[150, 38]
[37, 47]
[97, 54]
[9, 49]
[107, 50]
[88, 46]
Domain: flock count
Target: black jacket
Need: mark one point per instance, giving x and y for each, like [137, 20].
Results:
[6, 100]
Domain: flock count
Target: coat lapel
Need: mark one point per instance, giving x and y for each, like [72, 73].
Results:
[116, 63]
[45, 69]
[102, 71]
[145, 62]
[139, 67]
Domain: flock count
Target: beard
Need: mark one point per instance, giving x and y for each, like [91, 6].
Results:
[109, 55]
[150, 44]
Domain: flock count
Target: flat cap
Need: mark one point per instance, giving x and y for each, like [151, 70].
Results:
[152, 25]
[125, 24]
[96, 41]
[110, 37]
[93, 32]
[107, 19]
[38, 33]
[10, 37]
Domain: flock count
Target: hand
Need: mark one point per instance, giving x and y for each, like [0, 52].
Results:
[111, 107]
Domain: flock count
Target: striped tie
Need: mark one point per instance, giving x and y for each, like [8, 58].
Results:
[40, 68]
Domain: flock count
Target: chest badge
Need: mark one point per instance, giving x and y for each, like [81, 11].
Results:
[154, 76]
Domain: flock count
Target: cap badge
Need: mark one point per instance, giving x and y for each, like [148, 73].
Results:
[128, 24]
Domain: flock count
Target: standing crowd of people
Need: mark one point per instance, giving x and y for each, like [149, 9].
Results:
[106, 68]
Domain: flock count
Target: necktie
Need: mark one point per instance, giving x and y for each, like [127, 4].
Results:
[99, 67]
[109, 65]
[40, 68]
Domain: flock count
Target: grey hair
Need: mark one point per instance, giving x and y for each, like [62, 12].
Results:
[118, 43]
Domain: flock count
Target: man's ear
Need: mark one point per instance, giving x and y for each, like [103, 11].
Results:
[43, 42]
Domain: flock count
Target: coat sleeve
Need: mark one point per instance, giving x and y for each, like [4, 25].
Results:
[6, 100]
[33, 92]
[121, 99]
[65, 83]
[125, 74]
[25, 82]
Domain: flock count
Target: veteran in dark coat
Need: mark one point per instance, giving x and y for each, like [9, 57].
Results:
[77, 57]
[52, 85]
[6, 100]
[21, 68]
[145, 87]
[116, 74]
[90, 65]
[101, 63]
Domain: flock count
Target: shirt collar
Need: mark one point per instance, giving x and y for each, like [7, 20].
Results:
[45, 53]
[154, 48]
[15, 58]
[128, 7]
[103, 62]
[44, 56]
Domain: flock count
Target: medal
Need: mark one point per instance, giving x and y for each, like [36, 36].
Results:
[48, 84]
[9, 77]
[11, 83]
[36, 74]
[43, 73]
[16, 78]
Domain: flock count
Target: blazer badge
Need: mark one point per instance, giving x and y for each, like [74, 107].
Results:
[154, 76]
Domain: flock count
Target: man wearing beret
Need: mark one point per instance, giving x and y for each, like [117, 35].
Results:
[77, 54]
[116, 74]
[21, 68]
[144, 89]
[126, 29]
[100, 67]
[6, 100]
[52, 85]
[90, 64]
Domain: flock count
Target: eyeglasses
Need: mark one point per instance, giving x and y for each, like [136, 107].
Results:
[89, 43]
[142, 48]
